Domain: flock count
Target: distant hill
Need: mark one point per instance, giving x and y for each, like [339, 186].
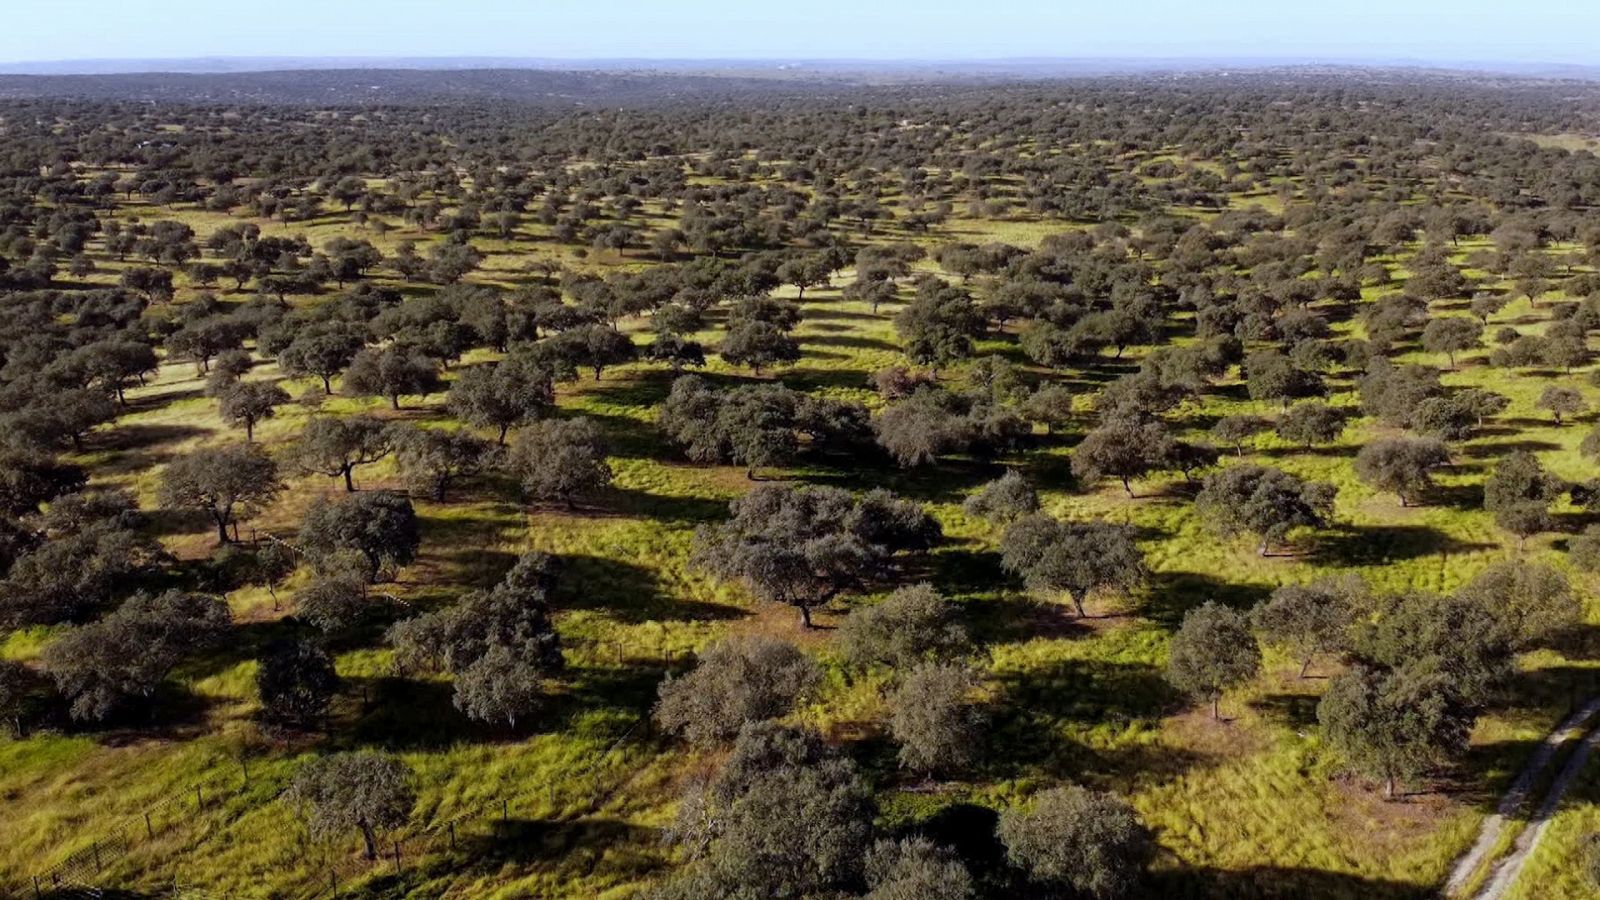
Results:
[854, 69]
[646, 82]
[344, 87]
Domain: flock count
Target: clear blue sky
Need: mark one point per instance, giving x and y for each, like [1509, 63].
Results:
[1499, 30]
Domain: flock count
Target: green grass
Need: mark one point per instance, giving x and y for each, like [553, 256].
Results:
[1251, 806]
[1558, 869]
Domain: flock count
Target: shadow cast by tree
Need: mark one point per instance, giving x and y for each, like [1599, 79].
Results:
[630, 593]
[1371, 545]
[1171, 594]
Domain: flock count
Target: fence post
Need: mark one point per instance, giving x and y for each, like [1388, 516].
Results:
[397, 869]
[244, 763]
[333, 883]
[149, 830]
[37, 894]
[199, 798]
[505, 811]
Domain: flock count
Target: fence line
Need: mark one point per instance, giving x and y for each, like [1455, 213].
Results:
[80, 873]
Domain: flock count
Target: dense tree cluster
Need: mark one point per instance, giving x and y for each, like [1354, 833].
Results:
[1102, 282]
[804, 546]
[501, 645]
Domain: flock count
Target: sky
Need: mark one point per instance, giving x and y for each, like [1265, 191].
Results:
[1544, 31]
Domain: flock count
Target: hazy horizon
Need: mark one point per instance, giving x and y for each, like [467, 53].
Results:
[1540, 32]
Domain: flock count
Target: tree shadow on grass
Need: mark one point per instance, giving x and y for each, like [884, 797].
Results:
[1369, 545]
[476, 567]
[1295, 711]
[1018, 617]
[819, 313]
[828, 328]
[1338, 451]
[1482, 776]
[810, 378]
[664, 507]
[1090, 690]
[172, 713]
[969, 830]
[1565, 522]
[1504, 448]
[1172, 594]
[577, 847]
[957, 569]
[174, 522]
[641, 392]
[135, 448]
[412, 714]
[1037, 703]
[855, 342]
[1276, 883]
[246, 641]
[629, 438]
[1466, 497]
[630, 593]
[949, 481]
[1051, 472]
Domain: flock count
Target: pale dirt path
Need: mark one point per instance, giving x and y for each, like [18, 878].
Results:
[1516, 797]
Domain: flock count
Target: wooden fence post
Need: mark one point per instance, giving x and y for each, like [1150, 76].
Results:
[149, 830]
[397, 869]
[505, 811]
[199, 798]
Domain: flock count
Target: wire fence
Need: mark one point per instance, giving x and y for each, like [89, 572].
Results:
[83, 873]
[449, 840]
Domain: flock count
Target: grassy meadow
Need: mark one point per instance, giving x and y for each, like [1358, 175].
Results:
[573, 806]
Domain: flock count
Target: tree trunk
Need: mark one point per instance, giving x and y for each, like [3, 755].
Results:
[1388, 788]
[1128, 488]
[1216, 707]
[1077, 602]
[349, 483]
[249, 431]
[222, 530]
[327, 385]
[805, 617]
[371, 841]
[503, 429]
[1305, 667]
[394, 401]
